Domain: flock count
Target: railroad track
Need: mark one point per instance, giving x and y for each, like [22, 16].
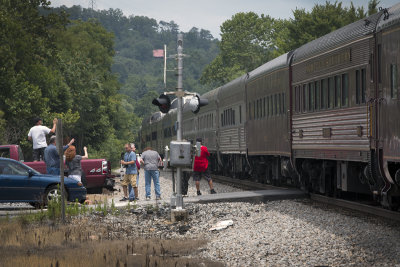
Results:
[368, 209]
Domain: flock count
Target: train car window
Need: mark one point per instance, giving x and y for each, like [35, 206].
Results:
[345, 90]
[271, 99]
[338, 86]
[379, 63]
[257, 109]
[358, 87]
[154, 136]
[254, 110]
[222, 120]
[331, 92]
[304, 98]
[279, 105]
[240, 114]
[324, 93]
[249, 111]
[264, 108]
[363, 84]
[275, 103]
[393, 81]
[283, 104]
[272, 105]
[317, 95]
[311, 96]
[233, 117]
[298, 100]
[267, 106]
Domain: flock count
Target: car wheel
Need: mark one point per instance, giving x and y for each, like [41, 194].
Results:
[53, 193]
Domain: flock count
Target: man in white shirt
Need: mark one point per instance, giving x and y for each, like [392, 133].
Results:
[37, 134]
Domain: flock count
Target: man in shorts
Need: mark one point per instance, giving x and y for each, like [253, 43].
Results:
[200, 169]
[130, 174]
[37, 134]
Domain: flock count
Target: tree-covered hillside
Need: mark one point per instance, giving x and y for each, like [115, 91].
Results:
[135, 37]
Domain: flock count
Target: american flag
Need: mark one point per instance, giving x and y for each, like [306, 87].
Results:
[158, 53]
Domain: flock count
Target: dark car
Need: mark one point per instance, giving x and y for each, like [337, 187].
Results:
[20, 183]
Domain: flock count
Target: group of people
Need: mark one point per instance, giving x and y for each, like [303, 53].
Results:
[49, 153]
[150, 160]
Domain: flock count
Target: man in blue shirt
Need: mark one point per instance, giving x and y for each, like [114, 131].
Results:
[51, 156]
[131, 172]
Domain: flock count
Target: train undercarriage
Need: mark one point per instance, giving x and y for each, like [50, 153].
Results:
[339, 179]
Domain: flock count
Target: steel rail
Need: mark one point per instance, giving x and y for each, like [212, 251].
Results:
[368, 209]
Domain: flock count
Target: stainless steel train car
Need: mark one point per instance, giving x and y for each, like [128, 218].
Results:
[322, 117]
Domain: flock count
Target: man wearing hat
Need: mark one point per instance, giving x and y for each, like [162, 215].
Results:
[37, 134]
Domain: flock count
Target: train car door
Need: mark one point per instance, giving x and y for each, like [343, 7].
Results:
[388, 62]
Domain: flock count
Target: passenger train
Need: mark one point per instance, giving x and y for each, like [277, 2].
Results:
[322, 117]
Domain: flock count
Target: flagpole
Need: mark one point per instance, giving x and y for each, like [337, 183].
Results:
[165, 66]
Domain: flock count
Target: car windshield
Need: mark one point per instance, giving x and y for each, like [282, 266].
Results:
[14, 168]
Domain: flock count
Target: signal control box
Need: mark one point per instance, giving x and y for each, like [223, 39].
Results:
[180, 154]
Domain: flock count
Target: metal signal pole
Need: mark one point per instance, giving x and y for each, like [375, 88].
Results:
[179, 94]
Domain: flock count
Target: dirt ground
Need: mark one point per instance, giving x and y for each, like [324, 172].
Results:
[78, 244]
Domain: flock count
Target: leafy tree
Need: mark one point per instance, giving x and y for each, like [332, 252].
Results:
[247, 41]
[323, 19]
[373, 7]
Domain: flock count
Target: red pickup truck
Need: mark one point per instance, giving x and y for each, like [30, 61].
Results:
[97, 171]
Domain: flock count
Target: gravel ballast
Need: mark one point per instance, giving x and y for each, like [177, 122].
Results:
[276, 233]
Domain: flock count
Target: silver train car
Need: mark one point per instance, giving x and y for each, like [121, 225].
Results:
[322, 117]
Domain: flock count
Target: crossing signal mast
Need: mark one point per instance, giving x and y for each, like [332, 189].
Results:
[180, 151]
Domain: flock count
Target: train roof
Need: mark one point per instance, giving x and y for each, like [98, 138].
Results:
[277, 63]
[155, 117]
[233, 86]
[342, 36]
[389, 19]
[211, 95]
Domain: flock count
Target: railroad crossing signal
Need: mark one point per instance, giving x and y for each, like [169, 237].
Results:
[197, 102]
[163, 102]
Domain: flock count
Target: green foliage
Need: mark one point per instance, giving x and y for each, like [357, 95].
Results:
[249, 40]
[323, 19]
[246, 43]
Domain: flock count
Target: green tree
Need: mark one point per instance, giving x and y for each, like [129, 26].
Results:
[247, 41]
[323, 19]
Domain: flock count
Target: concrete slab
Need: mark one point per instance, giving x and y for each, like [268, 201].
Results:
[256, 195]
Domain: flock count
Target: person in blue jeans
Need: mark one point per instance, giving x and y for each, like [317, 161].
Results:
[151, 159]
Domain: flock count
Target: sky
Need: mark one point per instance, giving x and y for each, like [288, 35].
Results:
[206, 14]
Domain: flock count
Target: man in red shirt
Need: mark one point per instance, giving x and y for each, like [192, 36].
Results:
[200, 169]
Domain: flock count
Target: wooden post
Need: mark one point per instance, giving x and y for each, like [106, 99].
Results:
[59, 140]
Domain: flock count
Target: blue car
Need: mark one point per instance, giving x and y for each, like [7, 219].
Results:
[20, 183]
